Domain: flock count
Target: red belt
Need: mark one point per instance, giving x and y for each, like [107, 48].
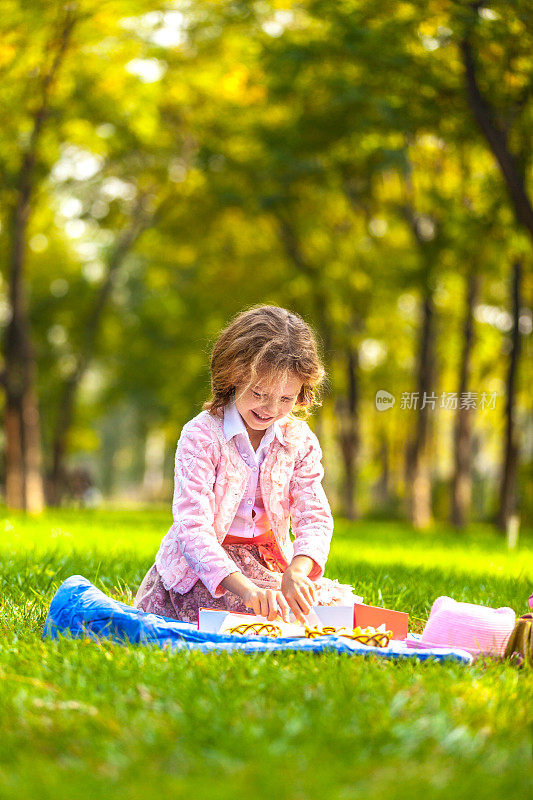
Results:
[263, 538]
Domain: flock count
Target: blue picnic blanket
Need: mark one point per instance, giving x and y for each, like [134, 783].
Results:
[78, 609]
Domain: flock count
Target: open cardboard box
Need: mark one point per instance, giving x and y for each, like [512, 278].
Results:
[211, 620]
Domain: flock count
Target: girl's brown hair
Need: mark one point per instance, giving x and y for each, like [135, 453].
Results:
[265, 341]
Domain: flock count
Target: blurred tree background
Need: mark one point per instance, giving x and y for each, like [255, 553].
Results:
[164, 165]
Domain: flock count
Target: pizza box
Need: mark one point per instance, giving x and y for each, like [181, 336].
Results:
[213, 620]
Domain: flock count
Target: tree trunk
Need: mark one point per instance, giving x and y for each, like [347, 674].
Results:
[293, 249]
[382, 487]
[494, 133]
[14, 461]
[24, 489]
[23, 459]
[508, 489]
[418, 480]
[154, 463]
[346, 407]
[140, 221]
[111, 438]
[462, 477]
[349, 438]
[24, 484]
[65, 414]
[514, 177]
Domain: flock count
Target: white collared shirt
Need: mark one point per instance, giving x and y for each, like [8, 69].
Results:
[250, 519]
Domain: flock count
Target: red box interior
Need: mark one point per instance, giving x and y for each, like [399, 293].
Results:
[396, 621]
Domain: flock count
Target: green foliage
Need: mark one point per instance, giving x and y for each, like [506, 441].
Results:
[281, 153]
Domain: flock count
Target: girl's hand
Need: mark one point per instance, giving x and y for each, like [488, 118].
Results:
[268, 603]
[299, 591]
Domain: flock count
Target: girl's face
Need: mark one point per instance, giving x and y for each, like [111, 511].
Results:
[266, 401]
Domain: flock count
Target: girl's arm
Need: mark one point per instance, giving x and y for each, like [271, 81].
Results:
[311, 519]
[193, 510]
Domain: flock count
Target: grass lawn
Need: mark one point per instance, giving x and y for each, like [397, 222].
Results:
[80, 719]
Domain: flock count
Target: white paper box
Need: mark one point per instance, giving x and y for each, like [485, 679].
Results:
[337, 616]
[211, 620]
[286, 628]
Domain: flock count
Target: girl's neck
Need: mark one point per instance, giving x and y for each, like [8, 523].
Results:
[255, 437]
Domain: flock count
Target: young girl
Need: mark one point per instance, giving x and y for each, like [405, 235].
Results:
[246, 466]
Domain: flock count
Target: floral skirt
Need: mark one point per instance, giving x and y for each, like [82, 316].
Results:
[153, 597]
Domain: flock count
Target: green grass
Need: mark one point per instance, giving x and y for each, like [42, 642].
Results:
[81, 719]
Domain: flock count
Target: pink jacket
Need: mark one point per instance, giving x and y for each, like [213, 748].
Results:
[210, 480]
